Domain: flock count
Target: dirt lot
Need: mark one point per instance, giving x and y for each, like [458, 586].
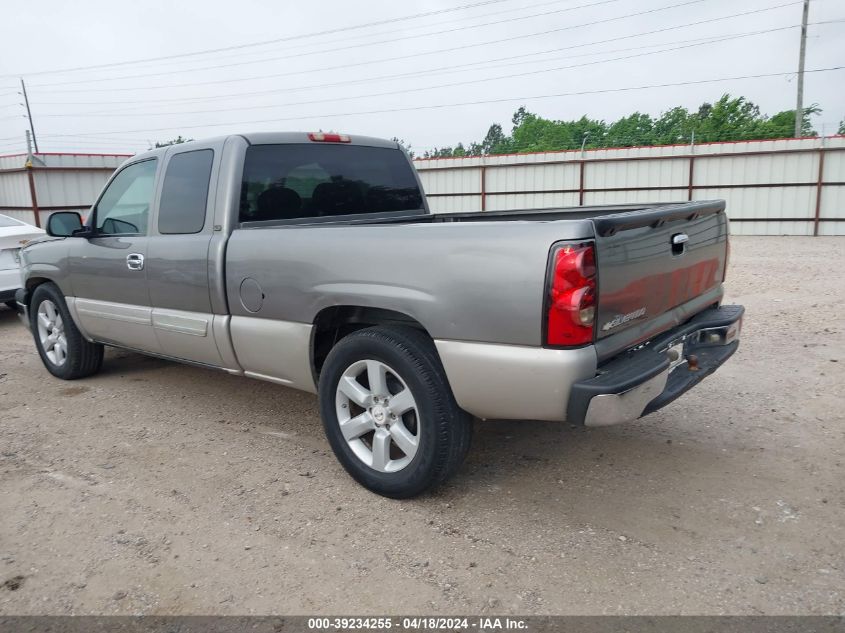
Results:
[161, 488]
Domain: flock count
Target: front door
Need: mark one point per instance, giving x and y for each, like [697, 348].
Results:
[108, 270]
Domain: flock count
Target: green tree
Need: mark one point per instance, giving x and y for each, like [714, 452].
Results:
[782, 124]
[495, 142]
[519, 116]
[536, 134]
[595, 132]
[406, 146]
[442, 152]
[673, 126]
[174, 141]
[532, 133]
[636, 129]
[727, 119]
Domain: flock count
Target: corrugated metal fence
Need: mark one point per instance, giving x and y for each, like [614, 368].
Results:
[32, 189]
[781, 187]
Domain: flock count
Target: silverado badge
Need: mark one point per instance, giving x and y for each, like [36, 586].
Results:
[619, 319]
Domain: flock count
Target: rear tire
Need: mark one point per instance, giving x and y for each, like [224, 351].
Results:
[63, 350]
[389, 413]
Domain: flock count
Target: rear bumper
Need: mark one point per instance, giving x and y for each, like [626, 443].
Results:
[646, 379]
[22, 297]
[10, 281]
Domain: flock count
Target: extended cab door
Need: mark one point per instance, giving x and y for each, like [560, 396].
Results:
[107, 271]
[178, 255]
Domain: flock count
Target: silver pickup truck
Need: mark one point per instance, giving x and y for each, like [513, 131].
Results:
[312, 261]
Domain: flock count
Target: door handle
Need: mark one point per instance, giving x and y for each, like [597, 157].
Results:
[135, 261]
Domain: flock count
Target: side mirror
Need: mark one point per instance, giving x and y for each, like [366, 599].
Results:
[64, 224]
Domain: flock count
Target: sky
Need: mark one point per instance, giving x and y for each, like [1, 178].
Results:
[118, 76]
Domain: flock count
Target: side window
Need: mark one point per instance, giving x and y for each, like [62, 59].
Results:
[124, 207]
[185, 192]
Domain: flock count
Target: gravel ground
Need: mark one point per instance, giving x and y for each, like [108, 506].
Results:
[160, 488]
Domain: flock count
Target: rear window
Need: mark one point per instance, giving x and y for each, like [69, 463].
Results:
[286, 182]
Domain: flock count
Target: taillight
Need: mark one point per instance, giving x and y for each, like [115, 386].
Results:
[572, 296]
[727, 256]
[322, 137]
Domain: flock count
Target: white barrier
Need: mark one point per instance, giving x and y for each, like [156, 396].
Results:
[778, 187]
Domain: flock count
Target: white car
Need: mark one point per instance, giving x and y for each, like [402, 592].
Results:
[13, 235]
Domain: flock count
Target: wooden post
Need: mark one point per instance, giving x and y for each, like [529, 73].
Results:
[690, 180]
[819, 187]
[483, 188]
[581, 184]
[31, 178]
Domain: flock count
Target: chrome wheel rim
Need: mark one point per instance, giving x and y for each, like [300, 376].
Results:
[51, 333]
[378, 416]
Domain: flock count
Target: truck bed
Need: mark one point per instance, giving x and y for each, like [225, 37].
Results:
[613, 217]
[465, 278]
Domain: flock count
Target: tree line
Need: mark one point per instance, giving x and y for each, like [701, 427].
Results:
[728, 119]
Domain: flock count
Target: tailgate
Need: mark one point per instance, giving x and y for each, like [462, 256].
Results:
[656, 259]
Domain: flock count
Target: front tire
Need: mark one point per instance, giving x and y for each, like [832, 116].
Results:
[63, 350]
[389, 414]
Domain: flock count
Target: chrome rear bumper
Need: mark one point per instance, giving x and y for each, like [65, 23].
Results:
[654, 374]
[607, 409]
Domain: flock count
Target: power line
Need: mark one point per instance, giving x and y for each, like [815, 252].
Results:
[93, 137]
[388, 41]
[417, 55]
[523, 98]
[265, 42]
[122, 147]
[363, 36]
[407, 90]
[450, 69]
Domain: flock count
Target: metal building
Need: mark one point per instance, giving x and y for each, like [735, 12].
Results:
[34, 186]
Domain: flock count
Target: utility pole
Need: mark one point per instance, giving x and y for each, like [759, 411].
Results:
[799, 107]
[29, 115]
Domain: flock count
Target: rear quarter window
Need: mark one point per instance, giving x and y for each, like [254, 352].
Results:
[293, 181]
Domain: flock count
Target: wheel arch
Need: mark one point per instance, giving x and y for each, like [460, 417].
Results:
[36, 281]
[31, 284]
[331, 324]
